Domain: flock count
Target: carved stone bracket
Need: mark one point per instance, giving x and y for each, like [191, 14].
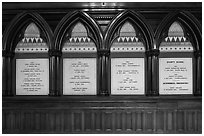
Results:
[6, 53]
[55, 53]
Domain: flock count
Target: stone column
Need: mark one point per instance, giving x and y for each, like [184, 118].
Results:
[55, 72]
[155, 72]
[198, 91]
[149, 73]
[104, 60]
[7, 73]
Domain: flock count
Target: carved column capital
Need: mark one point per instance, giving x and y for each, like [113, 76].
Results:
[6, 53]
[148, 53]
[57, 53]
[104, 52]
[197, 54]
[153, 52]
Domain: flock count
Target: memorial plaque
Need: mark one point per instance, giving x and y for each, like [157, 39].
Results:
[32, 76]
[175, 76]
[127, 76]
[79, 76]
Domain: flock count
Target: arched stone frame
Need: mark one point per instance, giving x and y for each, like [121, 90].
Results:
[192, 30]
[145, 32]
[10, 40]
[65, 27]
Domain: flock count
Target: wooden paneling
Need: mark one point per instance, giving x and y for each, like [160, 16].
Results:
[108, 121]
[102, 117]
[160, 121]
[87, 121]
[77, 121]
[67, 121]
[139, 124]
[38, 122]
[97, 121]
[118, 121]
[169, 125]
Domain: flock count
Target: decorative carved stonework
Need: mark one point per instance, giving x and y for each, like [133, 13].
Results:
[127, 40]
[175, 30]
[176, 41]
[32, 42]
[79, 41]
[32, 31]
[127, 30]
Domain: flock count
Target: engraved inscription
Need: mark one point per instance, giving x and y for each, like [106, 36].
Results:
[175, 75]
[32, 76]
[79, 76]
[127, 76]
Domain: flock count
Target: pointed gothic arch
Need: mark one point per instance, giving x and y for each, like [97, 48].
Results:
[176, 40]
[32, 41]
[137, 20]
[186, 20]
[18, 24]
[180, 33]
[78, 37]
[77, 40]
[68, 21]
[128, 37]
[26, 34]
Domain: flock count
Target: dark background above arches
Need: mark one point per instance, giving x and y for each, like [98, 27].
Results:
[53, 12]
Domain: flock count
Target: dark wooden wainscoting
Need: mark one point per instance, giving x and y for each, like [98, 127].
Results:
[115, 114]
